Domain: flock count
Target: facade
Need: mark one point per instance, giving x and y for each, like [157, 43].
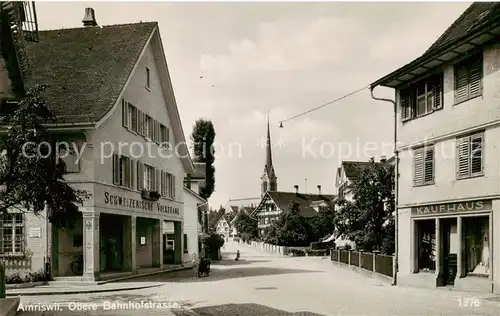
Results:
[274, 203]
[447, 130]
[223, 228]
[112, 95]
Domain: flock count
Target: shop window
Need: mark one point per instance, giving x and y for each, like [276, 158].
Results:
[477, 248]
[426, 230]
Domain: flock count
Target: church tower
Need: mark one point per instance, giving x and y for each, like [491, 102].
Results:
[268, 180]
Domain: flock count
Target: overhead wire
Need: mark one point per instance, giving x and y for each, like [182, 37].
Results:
[324, 104]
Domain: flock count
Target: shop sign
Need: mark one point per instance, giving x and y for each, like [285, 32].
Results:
[130, 203]
[452, 208]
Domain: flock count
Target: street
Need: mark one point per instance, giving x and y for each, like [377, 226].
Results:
[264, 284]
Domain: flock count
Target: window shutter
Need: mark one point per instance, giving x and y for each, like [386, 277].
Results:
[116, 169]
[461, 87]
[406, 106]
[139, 122]
[463, 157]
[438, 94]
[167, 134]
[134, 118]
[157, 180]
[476, 163]
[418, 167]
[475, 74]
[429, 165]
[125, 121]
[173, 186]
[131, 177]
[140, 175]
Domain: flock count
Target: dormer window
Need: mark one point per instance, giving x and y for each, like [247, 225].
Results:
[422, 98]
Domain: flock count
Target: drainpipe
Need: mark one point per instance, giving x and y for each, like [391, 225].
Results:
[396, 183]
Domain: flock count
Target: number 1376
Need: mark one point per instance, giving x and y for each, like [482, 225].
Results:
[468, 302]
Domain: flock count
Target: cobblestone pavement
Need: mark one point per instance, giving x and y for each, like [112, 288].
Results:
[264, 284]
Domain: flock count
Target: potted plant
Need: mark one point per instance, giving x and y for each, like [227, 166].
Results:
[154, 195]
[145, 194]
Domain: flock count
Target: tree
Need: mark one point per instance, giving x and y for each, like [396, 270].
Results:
[367, 220]
[30, 174]
[246, 225]
[290, 229]
[322, 225]
[203, 137]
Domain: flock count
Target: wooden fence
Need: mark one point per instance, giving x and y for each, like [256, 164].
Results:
[371, 262]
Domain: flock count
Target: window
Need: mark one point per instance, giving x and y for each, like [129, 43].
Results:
[12, 234]
[70, 157]
[148, 78]
[423, 162]
[149, 175]
[422, 98]
[164, 135]
[468, 79]
[123, 171]
[476, 245]
[470, 155]
[426, 238]
[185, 246]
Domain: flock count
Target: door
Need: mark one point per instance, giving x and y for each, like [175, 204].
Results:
[449, 251]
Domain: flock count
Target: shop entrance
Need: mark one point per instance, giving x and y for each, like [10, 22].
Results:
[449, 251]
[111, 243]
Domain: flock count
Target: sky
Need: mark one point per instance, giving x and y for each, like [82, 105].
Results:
[280, 59]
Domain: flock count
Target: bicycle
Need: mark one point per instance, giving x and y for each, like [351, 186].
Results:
[77, 264]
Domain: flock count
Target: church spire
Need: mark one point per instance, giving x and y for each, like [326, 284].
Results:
[268, 179]
[269, 157]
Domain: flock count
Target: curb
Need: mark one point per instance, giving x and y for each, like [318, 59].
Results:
[12, 305]
[97, 290]
[63, 292]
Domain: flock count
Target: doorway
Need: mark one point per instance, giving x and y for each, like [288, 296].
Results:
[112, 242]
[449, 252]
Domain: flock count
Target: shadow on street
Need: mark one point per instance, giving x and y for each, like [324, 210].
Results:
[216, 274]
[232, 262]
[241, 310]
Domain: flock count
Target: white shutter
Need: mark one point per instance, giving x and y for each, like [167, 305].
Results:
[463, 157]
[461, 86]
[173, 187]
[157, 180]
[418, 166]
[140, 175]
[476, 162]
[475, 74]
[131, 176]
[116, 169]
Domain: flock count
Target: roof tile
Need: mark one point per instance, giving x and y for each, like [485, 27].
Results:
[85, 68]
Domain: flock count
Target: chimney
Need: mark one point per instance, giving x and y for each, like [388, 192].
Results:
[296, 189]
[319, 189]
[383, 159]
[89, 18]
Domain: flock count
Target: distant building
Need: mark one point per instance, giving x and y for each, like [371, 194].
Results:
[274, 203]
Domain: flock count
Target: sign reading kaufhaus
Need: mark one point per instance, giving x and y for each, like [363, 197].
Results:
[452, 208]
[124, 202]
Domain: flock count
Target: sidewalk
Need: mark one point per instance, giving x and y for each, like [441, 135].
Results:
[112, 285]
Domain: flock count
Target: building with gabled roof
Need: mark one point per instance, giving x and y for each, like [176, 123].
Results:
[110, 88]
[447, 131]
